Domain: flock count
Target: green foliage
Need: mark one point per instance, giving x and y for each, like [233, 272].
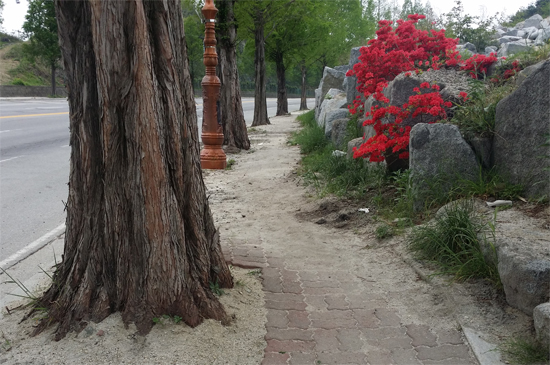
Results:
[30, 74]
[477, 114]
[230, 164]
[488, 184]
[41, 27]
[469, 28]
[454, 241]
[541, 7]
[312, 137]
[194, 38]
[526, 351]
[384, 231]
[215, 287]
[1, 12]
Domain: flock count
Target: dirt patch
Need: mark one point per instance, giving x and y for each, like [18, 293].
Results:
[6, 64]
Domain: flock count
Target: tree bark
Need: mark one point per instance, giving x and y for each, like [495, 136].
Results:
[282, 101]
[140, 238]
[260, 95]
[303, 95]
[53, 79]
[231, 109]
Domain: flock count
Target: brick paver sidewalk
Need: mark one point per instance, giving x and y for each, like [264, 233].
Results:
[316, 316]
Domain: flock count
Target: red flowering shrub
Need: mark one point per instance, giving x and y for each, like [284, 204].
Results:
[478, 65]
[393, 136]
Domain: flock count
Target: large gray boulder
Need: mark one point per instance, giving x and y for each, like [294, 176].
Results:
[339, 130]
[542, 36]
[317, 103]
[526, 72]
[332, 79]
[334, 99]
[331, 117]
[354, 144]
[533, 21]
[541, 319]
[439, 158]
[511, 48]
[522, 123]
[350, 82]
[508, 38]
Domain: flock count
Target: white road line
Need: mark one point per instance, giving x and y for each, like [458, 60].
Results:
[32, 247]
[11, 130]
[9, 159]
[67, 145]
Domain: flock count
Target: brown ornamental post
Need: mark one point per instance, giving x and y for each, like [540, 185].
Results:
[212, 155]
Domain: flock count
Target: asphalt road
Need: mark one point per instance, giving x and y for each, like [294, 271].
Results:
[34, 166]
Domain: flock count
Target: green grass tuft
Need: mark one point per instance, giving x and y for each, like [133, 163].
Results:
[526, 351]
[454, 241]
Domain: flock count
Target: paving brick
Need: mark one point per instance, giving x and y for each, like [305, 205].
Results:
[256, 259]
[404, 357]
[325, 340]
[290, 275]
[277, 319]
[365, 318]
[351, 287]
[288, 334]
[240, 252]
[315, 302]
[289, 346]
[452, 361]
[283, 297]
[320, 291]
[336, 301]
[334, 323]
[277, 262]
[271, 272]
[383, 333]
[298, 319]
[387, 317]
[292, 287]
[272, 285]
[308, 275]
[245, 264]
[288, 305]
[256, 253]
[364, 302]
[341, 358]
[379, 357]
[450, 336]
[275, 358]
[401, 342]
[334, 314]
[302, 358]
[320, 284]
[443, 352]
[421, 335]
[350, 340]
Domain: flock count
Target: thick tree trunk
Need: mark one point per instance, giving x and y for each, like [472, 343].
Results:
[282, 101]
[53, 79]
[231, 109]
[303, 96]
[260, 95]
[140, 237]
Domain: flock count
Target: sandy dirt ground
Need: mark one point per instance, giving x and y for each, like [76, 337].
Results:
[262, 201]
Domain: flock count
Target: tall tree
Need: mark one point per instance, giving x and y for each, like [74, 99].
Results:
[194, 38]
[231, 109]
[41, 27]
[140, 237]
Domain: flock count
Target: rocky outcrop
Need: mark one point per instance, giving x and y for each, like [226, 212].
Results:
[541, 319]
[339, 129]
[522, 124]
[350, 82]
[332, 79]
[534, 31]
[354, 144]
[439, 159]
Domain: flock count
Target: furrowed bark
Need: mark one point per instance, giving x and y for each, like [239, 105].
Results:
[140, 238]
[260, 95]
[231, 109]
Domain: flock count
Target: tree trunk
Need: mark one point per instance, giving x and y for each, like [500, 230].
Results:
[260, 97]
[303, 96]
[140, 237]
[231, 109]
[282, 101]
[53, 79]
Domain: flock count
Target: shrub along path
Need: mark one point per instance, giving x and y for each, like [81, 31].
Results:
[333, 295]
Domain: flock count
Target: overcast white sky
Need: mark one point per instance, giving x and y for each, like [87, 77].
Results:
[14, 13]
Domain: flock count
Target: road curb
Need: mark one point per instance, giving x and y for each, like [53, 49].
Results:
[32, 247]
